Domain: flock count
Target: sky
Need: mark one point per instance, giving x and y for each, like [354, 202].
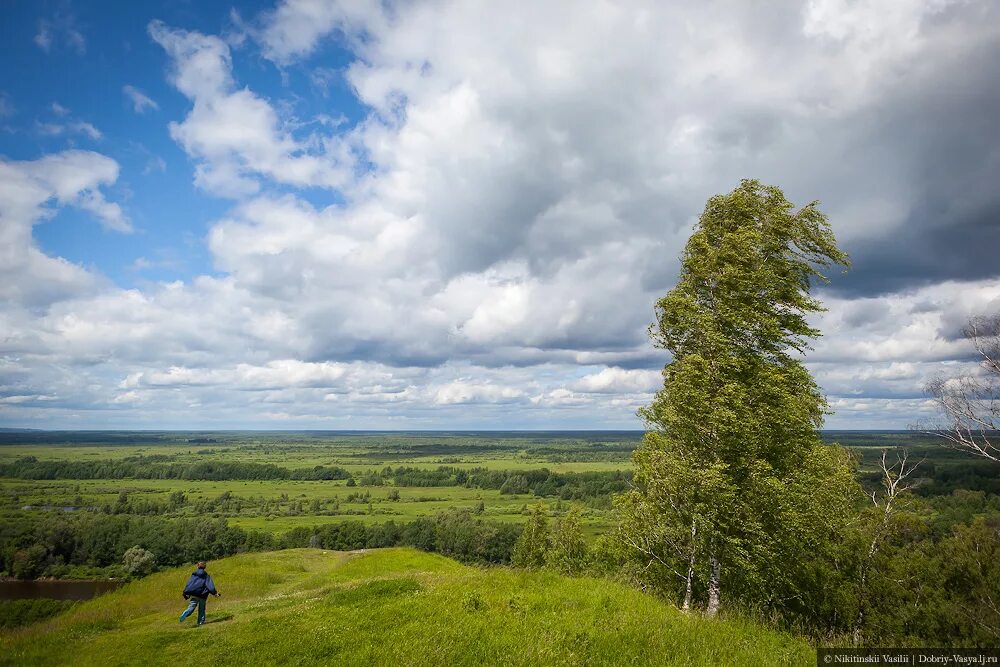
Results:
[458, 215]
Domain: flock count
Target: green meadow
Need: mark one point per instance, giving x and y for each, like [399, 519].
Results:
[393, 606]
[277, 505]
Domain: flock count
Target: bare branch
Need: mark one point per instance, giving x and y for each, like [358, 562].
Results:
[894, 482]
[971, 403]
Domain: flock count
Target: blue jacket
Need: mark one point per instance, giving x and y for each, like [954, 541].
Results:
[200, 585]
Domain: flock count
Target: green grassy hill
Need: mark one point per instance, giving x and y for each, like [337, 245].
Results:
[393, 606]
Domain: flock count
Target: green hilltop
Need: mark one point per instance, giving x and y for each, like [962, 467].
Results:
[391, 606]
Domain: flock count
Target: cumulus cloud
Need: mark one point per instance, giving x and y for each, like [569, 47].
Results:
[72, 178]
[614, 380]
[294, 28]
[488, 240]
[916, 325]
[234, 134]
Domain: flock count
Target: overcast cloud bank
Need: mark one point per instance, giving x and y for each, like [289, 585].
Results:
[483, 248]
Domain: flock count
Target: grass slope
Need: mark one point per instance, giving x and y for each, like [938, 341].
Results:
[392, 606]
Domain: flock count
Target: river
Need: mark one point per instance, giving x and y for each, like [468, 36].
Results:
[60, 589]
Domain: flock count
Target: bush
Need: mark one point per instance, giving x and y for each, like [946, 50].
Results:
[30, 563]
[567, 551]
[533, 542]
[139, 562]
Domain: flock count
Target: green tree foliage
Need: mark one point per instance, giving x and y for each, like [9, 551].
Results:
[139, 562]
[51, 545]
[567, 552]
[935, 591]
[515, 484]
[734, 491]
[55, 544]
[454, 533]
[29, 562]
[29, 467]
[530, 548]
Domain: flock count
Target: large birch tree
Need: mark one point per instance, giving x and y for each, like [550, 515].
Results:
[733, 489]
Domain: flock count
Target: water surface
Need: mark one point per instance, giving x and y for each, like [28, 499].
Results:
[63, 589]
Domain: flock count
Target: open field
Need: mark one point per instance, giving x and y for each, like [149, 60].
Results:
[558, 451]
[413, 502]
[277, 505]
[371, 461]
[396, 606]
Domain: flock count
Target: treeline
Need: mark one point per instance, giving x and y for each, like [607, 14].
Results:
[61, 545]
[30, 467]
[226, 503]
[454, 533]
[541, 482]
[944, 478]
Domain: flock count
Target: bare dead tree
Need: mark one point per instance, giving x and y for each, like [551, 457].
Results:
[971, 403]
[894, 484]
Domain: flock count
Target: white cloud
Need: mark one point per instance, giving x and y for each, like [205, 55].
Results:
[614, 380]
[465, 391]
[60, 28]
[296, 26]
[489, 239]
[88, 129]
[60, 129]
[74, 178]
[140, 101]
[66, 126]
[920, 325]
[43, 38]
[235, 135]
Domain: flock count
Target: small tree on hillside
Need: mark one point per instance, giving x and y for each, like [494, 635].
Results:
[531, 545]
[139, 562]
[726, 480]
[567, 551]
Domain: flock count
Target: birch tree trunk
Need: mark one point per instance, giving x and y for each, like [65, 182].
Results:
[714, 586]
[690, 573]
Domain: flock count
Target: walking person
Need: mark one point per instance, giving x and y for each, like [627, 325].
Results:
[197, 590]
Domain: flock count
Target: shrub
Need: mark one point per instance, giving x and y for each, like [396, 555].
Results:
[139, 562]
